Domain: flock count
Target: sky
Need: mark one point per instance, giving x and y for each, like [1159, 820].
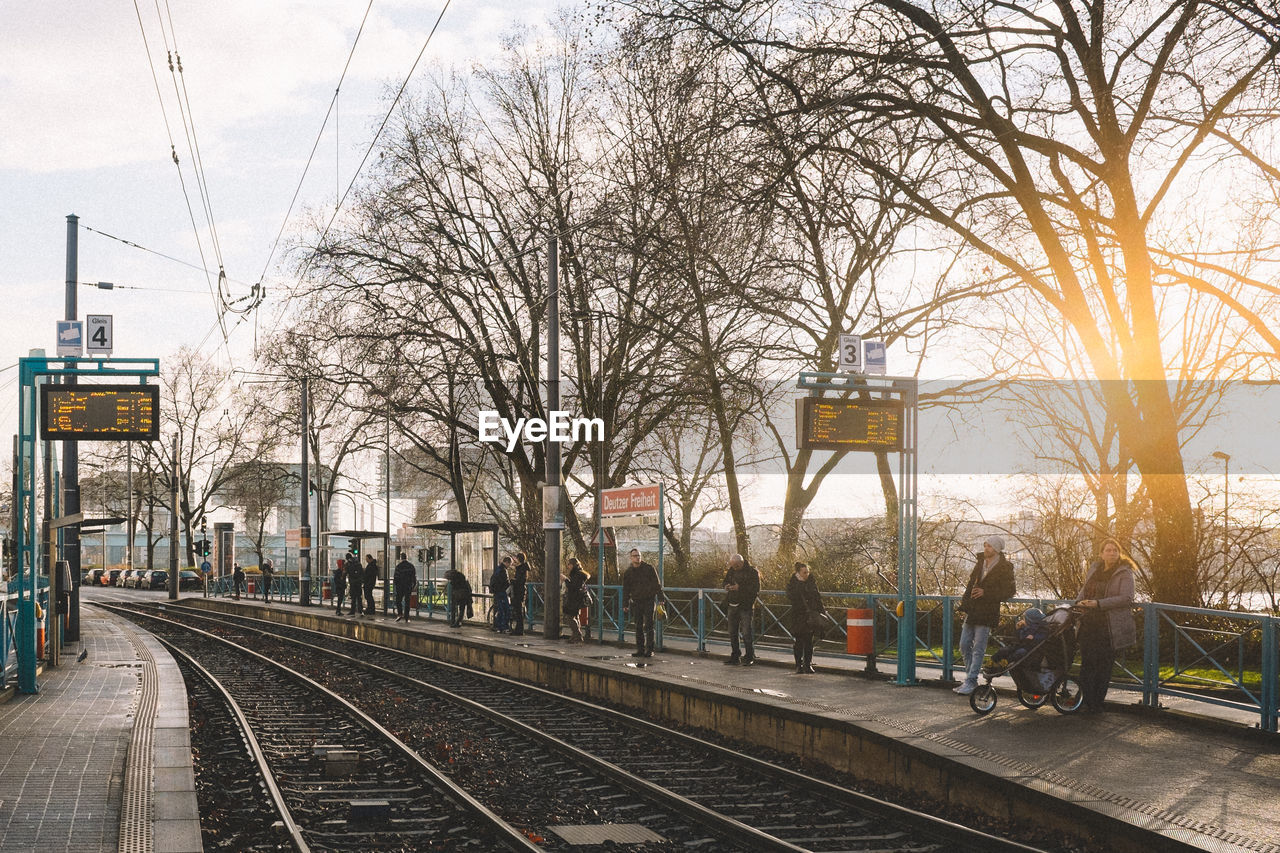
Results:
[82, 131]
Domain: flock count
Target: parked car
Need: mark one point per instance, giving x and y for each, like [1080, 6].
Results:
[158, 579]
[95, 576]
[188, 579]
[125, 577]
[140, 579]
[109, 576]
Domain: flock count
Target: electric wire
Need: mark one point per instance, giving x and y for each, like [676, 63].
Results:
[378, 134]
[174, 153]
[189, 126]
[333, 102]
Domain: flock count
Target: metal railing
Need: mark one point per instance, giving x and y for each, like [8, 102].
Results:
[1217, 657]
[9, 627]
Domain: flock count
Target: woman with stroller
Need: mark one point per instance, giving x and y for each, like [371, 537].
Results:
[807, 615]
[1106, 622]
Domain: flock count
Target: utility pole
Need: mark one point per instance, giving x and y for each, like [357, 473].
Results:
[71, 453]
[173, 525]
[551, 556]
[304, 527]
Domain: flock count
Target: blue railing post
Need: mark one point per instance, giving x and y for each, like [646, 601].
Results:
[702, 621]
[1150, 655]
[948, 626]
[1270, 693]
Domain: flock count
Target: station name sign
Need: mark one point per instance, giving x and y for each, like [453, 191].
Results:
[100, 413]
[823, 423]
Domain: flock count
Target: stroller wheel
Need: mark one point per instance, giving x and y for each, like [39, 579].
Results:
[983, 699]
[1067, 696]
[1032, 700]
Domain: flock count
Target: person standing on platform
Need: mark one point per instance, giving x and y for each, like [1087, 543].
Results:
[499, 583]
[237, 581]
[1106, 624]
[742, 582]
[459, 597]
[990, 583]
[807, 615]
[406, 579]
[355, 583]
[575, 592]
[340, 587]
[370, 583]
[268, 572]
[640, 590]
[519, 584]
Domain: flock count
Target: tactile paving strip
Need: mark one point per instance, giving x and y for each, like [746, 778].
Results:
[1148, 809]
[135, 812]
[603, 833]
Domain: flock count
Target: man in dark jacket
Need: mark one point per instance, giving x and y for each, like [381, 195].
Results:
[406, 579]
[499, 583]
[742, 582]
[640, 590]
[459, 597]
[268, 570]
[519, 582]
[370, 583]
[990, 583]
[237, 581]
[340, 586]
[355, 583]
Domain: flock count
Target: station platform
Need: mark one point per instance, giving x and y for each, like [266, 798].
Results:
[100, 758]
[1129, 779]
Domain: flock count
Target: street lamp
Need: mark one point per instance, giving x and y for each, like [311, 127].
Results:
[1226, 503]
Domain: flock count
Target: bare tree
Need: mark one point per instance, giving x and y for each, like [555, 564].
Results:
[1073, 153]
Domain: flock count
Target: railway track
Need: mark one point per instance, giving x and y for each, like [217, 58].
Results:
[737, 800]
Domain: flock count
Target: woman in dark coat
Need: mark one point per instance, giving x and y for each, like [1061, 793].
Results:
[1106, 621]
[575, 597]
[807, 614]
[459, 597]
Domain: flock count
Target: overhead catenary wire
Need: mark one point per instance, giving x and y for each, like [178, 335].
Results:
[333, 103]
[181, 180]
[378, 134]
[189, 127]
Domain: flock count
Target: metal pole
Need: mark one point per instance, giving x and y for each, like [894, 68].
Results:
[173, 525]
[128, 513]
[386, 556]
[551, 556]
[70, 449]
[304, 529]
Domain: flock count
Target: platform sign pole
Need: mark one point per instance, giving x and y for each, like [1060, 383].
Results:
[25, 534]
[907, 519]
[661, 549]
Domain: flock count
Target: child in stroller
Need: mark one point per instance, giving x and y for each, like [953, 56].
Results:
[1031, 629]
[1038, 660]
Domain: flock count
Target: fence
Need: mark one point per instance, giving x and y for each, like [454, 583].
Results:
[1216, 657]
[9, 627]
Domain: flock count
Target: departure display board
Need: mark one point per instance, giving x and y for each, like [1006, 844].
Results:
[100, 413]
[823, 423]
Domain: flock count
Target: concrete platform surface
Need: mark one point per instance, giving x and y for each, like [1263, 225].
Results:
[1212, 785]
[79, 761]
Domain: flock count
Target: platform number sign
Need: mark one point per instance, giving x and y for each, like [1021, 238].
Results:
[851, 353]
[98, 338]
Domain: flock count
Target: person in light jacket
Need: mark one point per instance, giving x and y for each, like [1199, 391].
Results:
[1106, 622]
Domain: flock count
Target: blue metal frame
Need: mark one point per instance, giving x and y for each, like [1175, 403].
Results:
[905, 388]
[26, 531]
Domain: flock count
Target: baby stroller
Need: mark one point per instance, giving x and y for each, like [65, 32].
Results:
[1041, 672]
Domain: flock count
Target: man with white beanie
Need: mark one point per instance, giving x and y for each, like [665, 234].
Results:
[990, 583]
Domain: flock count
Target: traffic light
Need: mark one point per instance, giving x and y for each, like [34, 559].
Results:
[355, 547]
[204, 547]
[437, 552]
